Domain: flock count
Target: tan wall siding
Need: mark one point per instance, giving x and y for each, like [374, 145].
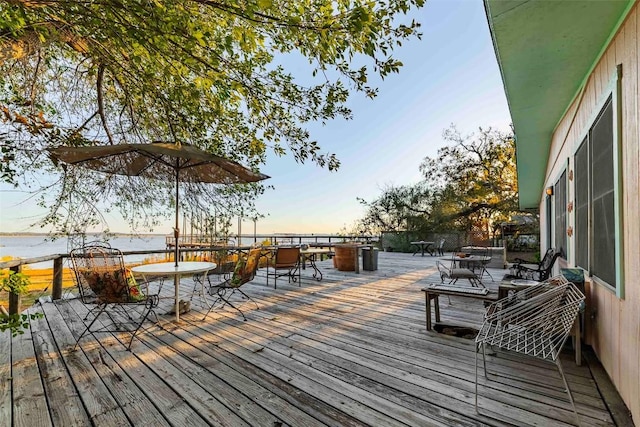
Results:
[615, 330]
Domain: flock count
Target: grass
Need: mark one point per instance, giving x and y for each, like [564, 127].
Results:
[42, 279]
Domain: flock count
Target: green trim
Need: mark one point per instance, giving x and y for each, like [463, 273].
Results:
[546, 52]
[613, 90]
[618, 182]
[593, 66]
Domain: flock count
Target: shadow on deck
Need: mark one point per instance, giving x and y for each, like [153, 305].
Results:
[348, 351]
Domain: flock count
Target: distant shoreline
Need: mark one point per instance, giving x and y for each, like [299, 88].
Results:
[37, 234]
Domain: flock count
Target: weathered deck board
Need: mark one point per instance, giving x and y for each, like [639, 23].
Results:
[164, 405]
[27, 390]
[5, 378]
[351, 350]
[387, 339]
[66, 406]
[325, 340]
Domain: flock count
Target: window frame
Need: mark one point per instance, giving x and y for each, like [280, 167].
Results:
[613, 90]
[561, 204]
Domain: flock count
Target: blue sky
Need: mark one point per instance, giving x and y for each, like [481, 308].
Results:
[448, 77]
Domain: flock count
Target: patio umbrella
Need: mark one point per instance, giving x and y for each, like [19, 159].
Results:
[159, 160]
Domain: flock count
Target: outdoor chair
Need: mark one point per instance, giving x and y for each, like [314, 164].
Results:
[485, 253]
[532, 322]
[440, 248]
[454, 274]
[285, 262]
[104, 283]
[223, 270]
[540, 271]
[244, 272]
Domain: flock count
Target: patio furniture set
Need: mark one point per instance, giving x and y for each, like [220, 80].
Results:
[106, 284]
[531, 314]
[533, 318]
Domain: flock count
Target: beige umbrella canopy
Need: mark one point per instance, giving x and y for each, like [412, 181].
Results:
[159, 160]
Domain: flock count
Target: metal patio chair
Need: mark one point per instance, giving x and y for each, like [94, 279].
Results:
[244, 272]
[453, 274]
[285, 262]
[104, 282]
[485, 253]
[535, 271]
[533, 322]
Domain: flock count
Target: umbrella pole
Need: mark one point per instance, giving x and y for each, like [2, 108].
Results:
[176, 230]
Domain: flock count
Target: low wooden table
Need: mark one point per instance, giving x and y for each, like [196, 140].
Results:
[434, 293]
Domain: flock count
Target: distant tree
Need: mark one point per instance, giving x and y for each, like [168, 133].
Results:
[399, 208]
[211, 73]
[476, 180]
[469, 186]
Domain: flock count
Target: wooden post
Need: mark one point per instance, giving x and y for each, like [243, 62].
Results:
[14, 299]
[56, 292]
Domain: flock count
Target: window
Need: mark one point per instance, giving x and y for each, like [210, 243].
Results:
[597, 236]
[560, 194]
[603, 262]
[582, 205]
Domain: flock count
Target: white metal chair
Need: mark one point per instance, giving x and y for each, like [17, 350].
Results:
[534, 322]
[454, 274]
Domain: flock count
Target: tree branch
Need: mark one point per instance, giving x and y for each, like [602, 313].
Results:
[103, 118]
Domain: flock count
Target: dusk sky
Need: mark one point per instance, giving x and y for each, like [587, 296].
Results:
[449, 77]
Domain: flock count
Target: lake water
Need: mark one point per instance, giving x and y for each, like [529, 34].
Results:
[35, 246]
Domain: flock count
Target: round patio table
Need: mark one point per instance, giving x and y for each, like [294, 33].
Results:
[170, 269]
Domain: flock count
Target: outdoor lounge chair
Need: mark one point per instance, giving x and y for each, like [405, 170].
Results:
[286, 262]
[454, 274]
[540, 271]
[104, 282]
[485, 253]
[244, 272]
[533, 322]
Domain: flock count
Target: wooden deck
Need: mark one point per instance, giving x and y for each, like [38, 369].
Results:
[351, 350]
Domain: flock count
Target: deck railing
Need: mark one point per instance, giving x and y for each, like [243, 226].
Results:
[58, 259]
[196, 240]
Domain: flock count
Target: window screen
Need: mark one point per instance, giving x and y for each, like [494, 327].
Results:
[602, 197]
[582, 205]
[560, 193]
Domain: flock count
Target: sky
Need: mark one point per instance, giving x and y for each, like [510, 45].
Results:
[450, 76]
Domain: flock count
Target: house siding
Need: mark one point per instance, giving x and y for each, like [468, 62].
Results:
[613, 328]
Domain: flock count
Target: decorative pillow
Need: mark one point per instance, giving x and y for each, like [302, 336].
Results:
[112, 285]
[238, 272]
[135, 294]
[107, 284]
[254, 256]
